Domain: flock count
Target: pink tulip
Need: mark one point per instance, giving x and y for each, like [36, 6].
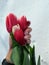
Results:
[11, 20]
[24, 23]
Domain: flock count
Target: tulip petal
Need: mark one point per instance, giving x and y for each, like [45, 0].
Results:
[13, 19]
[19, 36]
[8, 25]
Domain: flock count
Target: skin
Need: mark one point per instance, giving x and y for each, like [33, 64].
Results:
[27, 37]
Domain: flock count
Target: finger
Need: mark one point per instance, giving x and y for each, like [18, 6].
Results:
[28, 41]
[28, 30]
[26, 37]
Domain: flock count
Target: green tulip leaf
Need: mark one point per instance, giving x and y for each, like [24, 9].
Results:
[26, 58]
[17, 56]
[38, 63]
[32, 56]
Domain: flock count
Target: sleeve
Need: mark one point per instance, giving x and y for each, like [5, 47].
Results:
[4, 62]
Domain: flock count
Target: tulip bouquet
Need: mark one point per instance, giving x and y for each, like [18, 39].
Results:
[22, 52]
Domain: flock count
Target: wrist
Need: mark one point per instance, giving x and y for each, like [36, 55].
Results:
[7, 59]
[8, 56]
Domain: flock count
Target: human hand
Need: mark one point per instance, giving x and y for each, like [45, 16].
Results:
[26, 32]
[26, 37]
